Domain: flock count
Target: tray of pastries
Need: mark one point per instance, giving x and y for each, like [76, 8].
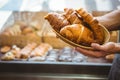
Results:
[42, 53]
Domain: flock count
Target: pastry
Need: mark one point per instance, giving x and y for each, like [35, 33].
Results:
[27, 30]
[12, 31]
[72, 16]
[25, 52]
[52, 56]
[15, 50]
[78, 26]
[41, 50]
[78, 34]
[94, 25]
[66, 54]
[8, 56]
[57, 21]
[5, 49]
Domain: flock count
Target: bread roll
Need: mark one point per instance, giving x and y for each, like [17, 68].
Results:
[41, 50]
[57, 21]
[78, 34]
[25, 52]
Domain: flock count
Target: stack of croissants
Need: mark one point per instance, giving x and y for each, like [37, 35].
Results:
[78, 26]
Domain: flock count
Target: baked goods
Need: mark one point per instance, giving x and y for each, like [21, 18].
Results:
[66, 54]
[94, 25]
[15, 50]
[41, 50]
[11, 53]
[8, 56]
[72, 16]
[52, 55]
[78, 26]
[19, 34]
[27, 30]
[78, 34]
[5, 49]
[31, 51]
[25, 52]
[57, 20]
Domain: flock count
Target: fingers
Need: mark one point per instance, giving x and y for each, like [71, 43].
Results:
[100, 50]
[97, 46]
[110, 56]
[106, 47]
[91, 53]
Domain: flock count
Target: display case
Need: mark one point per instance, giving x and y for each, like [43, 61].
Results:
[91, 69]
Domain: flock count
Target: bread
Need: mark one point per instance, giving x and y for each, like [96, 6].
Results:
[78, 33]
[41, 50]
[72, 16]
[5, 49]
[57, 21]
[25, 52]
[8, 56]
[78, 26]
[94, 25]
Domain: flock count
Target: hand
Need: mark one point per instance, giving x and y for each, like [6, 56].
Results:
[110, 20]
[101, 50]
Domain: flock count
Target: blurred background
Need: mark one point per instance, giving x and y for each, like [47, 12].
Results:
[26, 17]
[25, 10]
[58, 5]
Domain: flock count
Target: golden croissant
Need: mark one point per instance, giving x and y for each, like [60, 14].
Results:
[77, 25]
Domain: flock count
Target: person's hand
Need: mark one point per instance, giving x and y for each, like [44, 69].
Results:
[100, 50]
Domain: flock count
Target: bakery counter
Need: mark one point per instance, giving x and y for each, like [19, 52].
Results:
[53, 70]
[63, 61]
[54, 67]
[55, 61]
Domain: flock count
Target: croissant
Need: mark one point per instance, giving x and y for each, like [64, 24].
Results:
[72, 16]
[78, 34]
[57, 20]
[94, 24]
[77, 25]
